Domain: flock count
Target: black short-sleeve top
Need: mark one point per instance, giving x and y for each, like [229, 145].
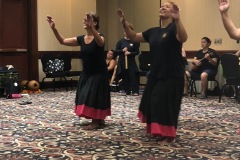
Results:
[166, 52]
[93, 56]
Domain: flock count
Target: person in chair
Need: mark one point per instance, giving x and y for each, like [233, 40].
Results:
[111, 63]
[204, 64]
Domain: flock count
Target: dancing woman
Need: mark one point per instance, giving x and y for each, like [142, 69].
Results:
[93, 93]
[161, 100]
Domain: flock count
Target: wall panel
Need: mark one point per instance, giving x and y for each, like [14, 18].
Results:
[13, 24]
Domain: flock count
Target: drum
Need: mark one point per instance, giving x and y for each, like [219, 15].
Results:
[24, 84]
[33, 85]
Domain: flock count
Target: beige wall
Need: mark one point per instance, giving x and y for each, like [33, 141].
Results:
[143, 14]
[78, 10]
[200, 18]
[136, 12]
[68, 16]
[106, 9]
[60, 10]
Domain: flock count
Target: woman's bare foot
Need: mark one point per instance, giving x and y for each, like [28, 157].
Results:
[95, 124]
[159, 137]
[170, 139]
[102, 123]
[85, 123]
[92, 126]
[167, 141]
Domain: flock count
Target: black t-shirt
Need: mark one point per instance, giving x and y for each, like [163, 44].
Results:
[166, 52]
[93, 56]
[205, 64]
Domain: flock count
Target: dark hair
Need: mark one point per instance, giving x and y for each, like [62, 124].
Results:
[112, 50]
[208, 40]
[114, 53]
[175, 7]
[96, 19]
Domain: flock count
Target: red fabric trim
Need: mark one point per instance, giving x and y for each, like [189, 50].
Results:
[158, 129]
[141, 117]
[91, 113]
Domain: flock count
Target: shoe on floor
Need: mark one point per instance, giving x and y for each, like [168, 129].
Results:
[203, 96]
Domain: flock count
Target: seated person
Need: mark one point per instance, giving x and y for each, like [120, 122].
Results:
[116, 79]
[111, 63]
[114, 75]
[204, 64]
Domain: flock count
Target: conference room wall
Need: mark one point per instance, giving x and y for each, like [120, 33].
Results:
[201, 18]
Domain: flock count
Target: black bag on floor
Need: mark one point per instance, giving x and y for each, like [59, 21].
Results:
[12, 88]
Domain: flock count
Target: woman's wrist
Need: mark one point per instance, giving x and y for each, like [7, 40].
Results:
[124, 23]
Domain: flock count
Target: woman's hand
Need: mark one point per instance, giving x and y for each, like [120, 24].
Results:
[88, 21]
[51, 22]
[125, 49]
[121, 15]
[224, 5]
[175, 12]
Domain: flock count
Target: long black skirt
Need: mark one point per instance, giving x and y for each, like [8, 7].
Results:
[93, 96]
[160, 106]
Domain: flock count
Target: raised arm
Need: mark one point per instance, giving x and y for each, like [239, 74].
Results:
[136, 37]
[111, 65]
[181, 32]
[232, 30]
[88, 20]
[62, 40]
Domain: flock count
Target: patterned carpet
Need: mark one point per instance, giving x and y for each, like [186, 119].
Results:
[48, 129]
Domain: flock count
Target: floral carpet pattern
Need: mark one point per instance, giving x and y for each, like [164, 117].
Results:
[48, 129]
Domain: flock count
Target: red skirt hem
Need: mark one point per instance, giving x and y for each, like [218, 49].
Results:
[91, 113]
[156, 128]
